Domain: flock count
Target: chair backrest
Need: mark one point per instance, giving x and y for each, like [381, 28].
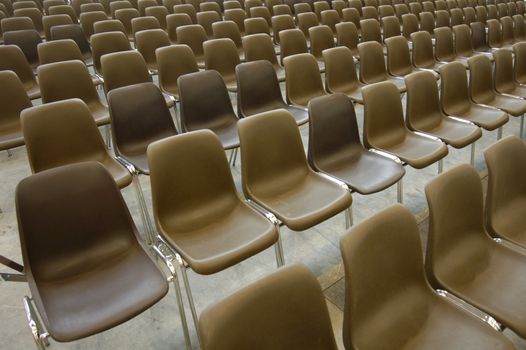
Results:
[470, 15]
[319, 7]
[423, 110]
[333, 131]
[423, 56]
[478, 36]
[507, 30]
[463, 43]
[444, 46]
[503, 71]
[519, 51]
[443, 19]
[292, 42]
[252, 3]
[16, 23]
[204, 101]
[59, 50]
[321, 38]
[264, 165]
[330, 18]
[351, 15]
[188, 9]
[391, 26]
[494, 33]
[302, 7]
[12, 58]
[356, 4]
[221, 55]
[110, 25]
[261, 12]
[383, 115]
[70, 125]
[34, 14]
[427, 22]
[256, 25]
[307, 20]
[503, 9]
[456, 240]
[147, 41]
[409, 25]
[372, 62]
[159, 12]
[519, 31]
[142, 5]
[428, 6]
[48, 3]
[482, 14]
[370, 12]
[340, 71]
[371, 30]
[206, 19]
[388, 243]
[27, 40]
[144, 23]
[22, 5]
[259, 47]
[227, 30]
[231, 4]
[257, 88]
[13, 99]
[457, 17]
[238, 16]
[398, 56]
[385, 11]
[281, 22]
[137, 124]
[87, 21]
[194, 36]
[306, 325]
[63, 10]
[172, 62]
[119, 4]
[105, 43]
[174, 21]
[492, 12]
[92, 7]
[454, 91]
[400, 10]
[303, 79]
[481, 86]
[415, 8]
[73, 32]
[281, 9]
[210, 6]
[347, 35]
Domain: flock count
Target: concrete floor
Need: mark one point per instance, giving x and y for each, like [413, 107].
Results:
[159, 327]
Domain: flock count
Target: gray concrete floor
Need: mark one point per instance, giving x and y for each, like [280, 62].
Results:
[159, 327]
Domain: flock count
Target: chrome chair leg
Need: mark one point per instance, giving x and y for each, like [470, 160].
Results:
[522, 126]
[145, 214]
[400, 191]
[278, 247]
[499, 133]
[473, 154]
[348, 217]
[183, 266]
[440, 166]
[233, 157]
[107, 131]
[40, 336]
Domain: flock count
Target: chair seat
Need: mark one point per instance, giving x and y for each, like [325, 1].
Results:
[308, 203]
[487, 118]
[418, 151]
[219, 245]
[518, 90]
[100, 113]
[11, 137]
[76, 307]
[455, 133]
[228, 136]
[514, 106]
[280, 72]
[365, 172]
[119, 173]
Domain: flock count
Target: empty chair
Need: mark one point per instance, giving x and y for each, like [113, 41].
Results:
[505, 82]
[330, 18]
[258, 91]
[144, 23]
[321, 38]
[383, 115]
[443, 19]
[371, 30]
[221, 55]
[125, 16]
[305, 21]
[495, 40]
[261, 12]
[147, 41]
[174, 21]
[398, 57]
[110, 277]
[351, 15]
[347, 35]
[385, 11]
[111, 25]
[21, 5]
[64, 10]
[291, 42]
[508, 37]
[256, 25]
[401, 10]
[335, 148]
[415, 8]
[237, 16]
[492, 12]
[427, 22]
[512, 9]
[319, 7]
[503, 10]
[423, 55]
[356, 4]
[496, 265]
[210, 6]
[470, 15]
[75, 33]
[279, 23]
[231, 4]
[27, 40]
[86, 22]
[294, 288]
[205, 104]
[519, 50]
[229, 30]
[48, 3]
[519, 31]
[482, 89]
[389, 244]
[16, 23]
[521, 8]
[478, 37]
[457, 17]
[160, 13]
[445, 47]
[206, 19]
[302, 7]
[187, 9]
[281, 9]
[482, 14]
[428, 6]
[12, 59]
[194, 36]
[391, 27]
[340, 73]
[118, 5]
[252, 3]
[105, 43]
[260, 47]
[370, 12]
[303, 79]
[91, 7]
[409, 25]
[283, 190]
[142, 5]
[372, 65]
[13, 99]
[36, 17]
[58, 51]
[463, 43]
[172, 62]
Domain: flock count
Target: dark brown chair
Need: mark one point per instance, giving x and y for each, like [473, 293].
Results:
[12, 24]
[205, 104]
[279, 23]
[445, 47]
[258, 91]
[389, 245]
[340, 73]
[305, 325]
[229, 30]
[112, 25]
[36, 17]
[206, 19]
[90, 281]
[12, 58]
[461, 257]
[321, 38]
[399, 57]
[292, 42]
[478, 37]
[503, 75]
[27, 40]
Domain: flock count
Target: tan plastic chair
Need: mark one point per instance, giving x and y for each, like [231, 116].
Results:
[415, 8]
[21, 5]
[118, 5]
[391, 27]
[370, 12]
[461, 256]
[319, 7]
[503, 74]
[125, 16]
[210, 6]
[282, 9]
[340, 73]
[401, 10]
[260, 47]
[306, 21]
[372, 65]
[463, 43]
[231, 4]
[46, 4]
[13, 99]
[259, 91]
[302, 7]
[187, 9]
[194, 36]
[206, 19]
[144, 23]
[291, 42]
[174, 61]
[58, 51]
[457, 17]
[142, 5]
[519, 51]
[508, 37]
[36, 17]
[229, 30]
[238, 16]
[330, 18]
[385, 129]
[492, 11]
[385, 11]
[160, 13]
[456, 102]
[279, 23]
[303, 81]
[105, 43]
[27, 40]
[111, 25]
[482, 89]
[87, 20]
[256, 25]
[399, 57]
[445, 46]
[427, 22]
[371, 30]
[503, 10]
[519, 31]
[388, 243]
[174, 21]
[64, 10]
[347, 35]
[470, 15]
[252, 3]
[352, 15]
[339, 6]
[482, 14]
[409, 25]
[356, 4]
[147, 41]
[91, 7]
[321, 38]
[221, 55]
[306, 326]
[261, 12]
[428, 6]
[75, 33]
[12, 59]
[478, 35]
[495, 40]
[16, 23]
[423, 53]
[205, 104]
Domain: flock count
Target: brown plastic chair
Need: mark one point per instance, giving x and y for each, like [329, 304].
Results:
[427, 22]
[415, 8]
[385, 11]
[105, 43]
[503, 75]
[319, 7]
[77, 138]
[142, 5]
[231, 4]
[303, 81]
[388, 243]
[11, 24]
[495, 40]
[409, 25]
[461, 256]
[261, 12]
[457, 17]
[519, 51]
[252, 3]
[221, 55]
[482, 90]
[125, 16]
[352, 15]
[283, 182]
[330, 18]
[36, 17]
[428, 6]
[27, 40]
[370, 12]
[91, 7]
[306, 325]
[159, 12]
[482, 14]
[463, 43]
[302, 7]
[339, 6]
[492, 11]
[347, 35]
[335, 148]
[188, 9]
[291, 42]
[456, 102]
[112, 25]
[205, 104]
[512, 9]
[391, 27]
[401, 10]
[356, 4]
[144, 23]
[194, 36]
[478, 35]
[147, 41]
[470, 15]
[385, 129]
[107, 275]
[87, 20]
[76, 4]
[229, 30]
[371, 30]
[423, 53]
[49, 22]
[174, 61]
[238, 16]
[519, 31]
[21, 5]
[306, 21]
[372, 65]
[340, 73]
[260, 47]
[64, 10]
[174, 21]
[445, 47]
[399, 57]
[321, 38]
[118, 5]
[279, 23]
[503, 10]
[210, 6]
[13, 99]
[46, 4]
[259, 91]
[256, 25]
[71, 79]
[12, 58]
[508, 37]
[206, 19]
[75, 33]
[58, 51]
[282, 9]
